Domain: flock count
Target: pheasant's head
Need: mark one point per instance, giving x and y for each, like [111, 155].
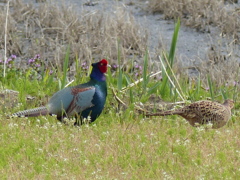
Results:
[102, 65]
[99, 69]
[229, 103]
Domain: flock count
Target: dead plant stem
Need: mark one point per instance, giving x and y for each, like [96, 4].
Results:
[5, 41]
[170, 79]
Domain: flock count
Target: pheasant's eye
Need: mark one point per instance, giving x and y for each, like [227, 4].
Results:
[102, 64]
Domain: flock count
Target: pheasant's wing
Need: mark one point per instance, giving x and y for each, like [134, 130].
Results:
[82, 99]
[206, 111]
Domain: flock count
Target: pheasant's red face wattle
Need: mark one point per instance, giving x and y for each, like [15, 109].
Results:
[102, 65]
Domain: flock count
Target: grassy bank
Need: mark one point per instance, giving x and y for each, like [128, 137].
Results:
[122, 143]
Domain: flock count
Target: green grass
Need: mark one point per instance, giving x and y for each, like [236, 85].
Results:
[121, 144]
[108, 149]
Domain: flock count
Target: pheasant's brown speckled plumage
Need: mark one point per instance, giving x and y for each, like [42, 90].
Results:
[203, 112]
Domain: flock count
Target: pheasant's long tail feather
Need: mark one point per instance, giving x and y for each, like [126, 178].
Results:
[39, 111]
[164, 113]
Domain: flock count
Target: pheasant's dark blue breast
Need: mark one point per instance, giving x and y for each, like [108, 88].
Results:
[98, 102]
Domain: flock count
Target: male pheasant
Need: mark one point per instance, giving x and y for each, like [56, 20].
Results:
[203, 112]
[80, 101]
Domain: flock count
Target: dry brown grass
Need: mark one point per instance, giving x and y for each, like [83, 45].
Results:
[200, 14]
[222, 71]
[48, 29]
[221, 62]
[222, 68]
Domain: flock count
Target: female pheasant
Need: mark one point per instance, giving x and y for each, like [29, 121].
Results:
[203, 112]
[80, 101]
